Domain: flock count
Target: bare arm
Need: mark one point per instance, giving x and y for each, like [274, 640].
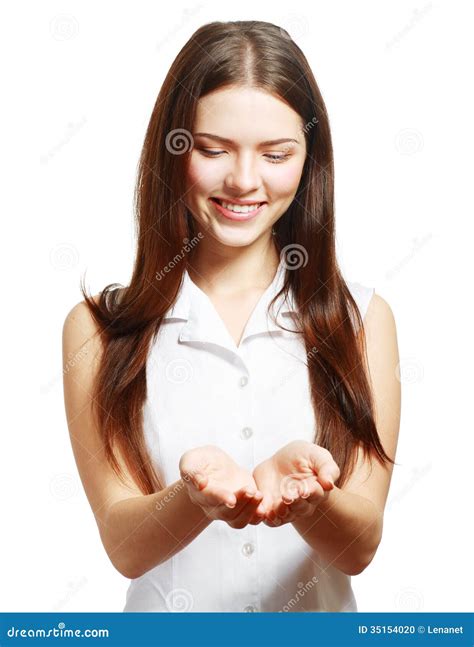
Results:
[347, 526]
[142, 532]
[138, 532]
[148, 530]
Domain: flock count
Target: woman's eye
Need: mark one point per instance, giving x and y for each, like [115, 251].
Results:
[211, 153]
[272, 158]
[276, 159]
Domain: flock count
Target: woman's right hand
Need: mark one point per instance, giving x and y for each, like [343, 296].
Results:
[224, 490]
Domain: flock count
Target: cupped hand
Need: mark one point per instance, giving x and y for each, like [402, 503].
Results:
[224, 490]
[294, 481]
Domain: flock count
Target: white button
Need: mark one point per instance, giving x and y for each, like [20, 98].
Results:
[243, 380]
[247, 549]
[246, 432]
[250, 608]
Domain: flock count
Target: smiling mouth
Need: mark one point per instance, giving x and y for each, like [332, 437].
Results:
[238, 208]
[240, 213]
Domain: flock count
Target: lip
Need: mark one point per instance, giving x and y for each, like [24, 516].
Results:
[236, 201]
[232, 215]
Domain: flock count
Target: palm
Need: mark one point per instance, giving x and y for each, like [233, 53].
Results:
[216, 483]
[219, 472]
[294, 479]
[283, 478]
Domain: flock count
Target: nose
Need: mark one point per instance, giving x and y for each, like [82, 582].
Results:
[243, 177]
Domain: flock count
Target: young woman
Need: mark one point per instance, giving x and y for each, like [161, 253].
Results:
[234, 411]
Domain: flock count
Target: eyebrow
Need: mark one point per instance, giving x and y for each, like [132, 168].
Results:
[270, 142]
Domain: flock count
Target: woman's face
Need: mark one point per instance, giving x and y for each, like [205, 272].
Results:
[238, 159]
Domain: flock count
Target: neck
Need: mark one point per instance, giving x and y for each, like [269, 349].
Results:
[226, 271]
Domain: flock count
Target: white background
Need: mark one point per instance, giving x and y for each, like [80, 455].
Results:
[396, 78]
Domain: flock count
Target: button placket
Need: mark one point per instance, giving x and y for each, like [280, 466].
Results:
[248, 565]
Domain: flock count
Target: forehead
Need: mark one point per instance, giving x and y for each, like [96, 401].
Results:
[247, 116]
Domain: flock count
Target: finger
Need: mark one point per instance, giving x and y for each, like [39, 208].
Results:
[276, 522]
[325, 467]
[238, 499]
[307, 487]
[310, 496]
[259, 514]
[248, 512]
[288, 512]
[326, 476]
[271, 517]
[272, 523]
[242, 497]
[301, 507]
[265, 504]
[314, 493]
[292, 485]
[282, 510]
[298, 506]
[211, 492]
[214, 495]
[262, 508]
[256, 519]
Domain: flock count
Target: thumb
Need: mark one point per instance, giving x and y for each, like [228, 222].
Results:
[326, 476]
[324, 467]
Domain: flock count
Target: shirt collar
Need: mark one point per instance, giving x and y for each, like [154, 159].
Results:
[204, 324]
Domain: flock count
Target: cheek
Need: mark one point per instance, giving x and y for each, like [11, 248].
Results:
[286, 180]
[200, 176]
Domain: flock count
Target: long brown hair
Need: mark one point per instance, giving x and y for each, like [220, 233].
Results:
[261, 55]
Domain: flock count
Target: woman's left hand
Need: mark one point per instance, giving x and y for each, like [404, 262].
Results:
[294, 481]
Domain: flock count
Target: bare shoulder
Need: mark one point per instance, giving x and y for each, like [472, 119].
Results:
[378, 307]
[379, 320]
[80, 338]
[79, 319]
[79, 325]
[381, 336]
[82, 350]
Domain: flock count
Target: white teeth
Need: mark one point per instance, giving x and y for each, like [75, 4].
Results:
[239, 208]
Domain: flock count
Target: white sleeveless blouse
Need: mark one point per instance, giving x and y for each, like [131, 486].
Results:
[249, 400]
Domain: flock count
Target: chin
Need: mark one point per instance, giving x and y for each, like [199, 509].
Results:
[237, 238]
[236, 241]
